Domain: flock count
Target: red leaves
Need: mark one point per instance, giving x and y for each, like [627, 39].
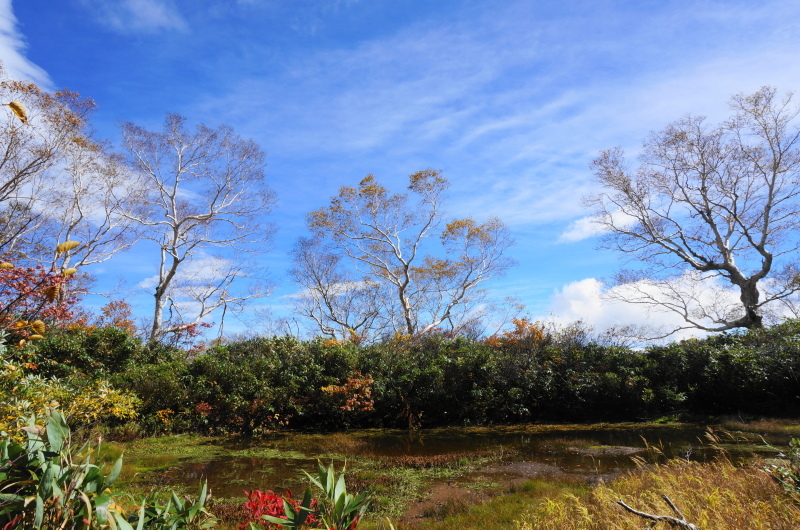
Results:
[24, 295]
[270, 503]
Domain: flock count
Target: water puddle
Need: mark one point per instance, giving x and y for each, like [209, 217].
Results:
[518, 453]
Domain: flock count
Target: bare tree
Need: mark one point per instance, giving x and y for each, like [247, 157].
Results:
[340, 304]
[709, 205]
[370, 247]
[206, 192]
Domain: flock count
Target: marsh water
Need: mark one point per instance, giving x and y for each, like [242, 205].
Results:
[521, 452]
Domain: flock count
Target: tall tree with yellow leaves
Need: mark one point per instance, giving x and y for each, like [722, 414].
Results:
[412, 269]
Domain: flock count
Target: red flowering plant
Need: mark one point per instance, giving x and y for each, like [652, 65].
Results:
[268, 503]
[336, 510]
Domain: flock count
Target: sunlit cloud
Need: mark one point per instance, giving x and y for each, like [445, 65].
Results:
[602, 307]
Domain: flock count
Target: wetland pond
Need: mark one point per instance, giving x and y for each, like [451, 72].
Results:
[411, 465]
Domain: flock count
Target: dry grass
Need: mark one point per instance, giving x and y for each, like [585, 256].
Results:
[712, 496]
[763, 426]
[343, 444]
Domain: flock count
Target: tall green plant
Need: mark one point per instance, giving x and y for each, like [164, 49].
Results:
[336, 510]
[176, 514]
[44, 484]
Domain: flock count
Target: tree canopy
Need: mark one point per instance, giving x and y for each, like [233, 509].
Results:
[373, 268]
[712, 212]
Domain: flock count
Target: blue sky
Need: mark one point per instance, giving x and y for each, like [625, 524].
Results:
[511, 100]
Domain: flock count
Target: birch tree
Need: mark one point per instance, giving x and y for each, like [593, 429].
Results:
[204, 209]
[712, 212]
[411, 269]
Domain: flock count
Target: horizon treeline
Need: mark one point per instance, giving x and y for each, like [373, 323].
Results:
[529, 374]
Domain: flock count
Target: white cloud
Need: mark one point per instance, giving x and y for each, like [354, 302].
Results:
[583, 300]
[601, 307]
[201, 269]
[12, 48]
[335, 289]
[587, 227]
[137, 16]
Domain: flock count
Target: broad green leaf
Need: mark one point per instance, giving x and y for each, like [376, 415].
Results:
[87, 504]
[8, 498]
[275, 520]
[140, 524]
[201, 499]
[330, 477]
[57, 430]
[114, 474]
[101, 504]
[39, 514]
[122, 524]
[314, 481]
[340, 487]
[177, 502]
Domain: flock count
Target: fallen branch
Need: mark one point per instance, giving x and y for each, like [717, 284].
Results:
[672, 521]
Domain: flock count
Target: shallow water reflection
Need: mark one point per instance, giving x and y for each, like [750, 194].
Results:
[591, 452]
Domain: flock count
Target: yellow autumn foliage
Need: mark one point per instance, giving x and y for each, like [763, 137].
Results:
[19, 110]
[66, 246]
[39, 327]
[23, 393]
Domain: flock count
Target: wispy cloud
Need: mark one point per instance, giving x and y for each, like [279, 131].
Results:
[514, 108]
[137, 16]
[12, 50]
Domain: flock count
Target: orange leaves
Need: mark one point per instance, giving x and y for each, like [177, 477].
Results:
[524, 335]
[427, 181]
[470, 231]
[438, 268]
[355, 395]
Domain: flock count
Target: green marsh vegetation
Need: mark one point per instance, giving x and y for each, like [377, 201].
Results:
[298, 401]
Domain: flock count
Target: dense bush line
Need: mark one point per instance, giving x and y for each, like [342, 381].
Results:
[251, 386]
